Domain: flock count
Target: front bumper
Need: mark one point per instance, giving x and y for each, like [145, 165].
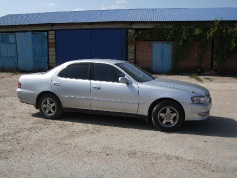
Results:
[197, 111]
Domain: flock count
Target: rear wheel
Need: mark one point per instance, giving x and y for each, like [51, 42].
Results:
[167, 116]
[50, 106]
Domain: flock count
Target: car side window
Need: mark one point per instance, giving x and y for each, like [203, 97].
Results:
[105, 72]
[76, 71]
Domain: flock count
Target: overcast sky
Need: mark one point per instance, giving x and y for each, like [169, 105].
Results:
[32, 6]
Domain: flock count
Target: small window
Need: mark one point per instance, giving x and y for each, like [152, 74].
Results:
[76, 71]
[105, 72]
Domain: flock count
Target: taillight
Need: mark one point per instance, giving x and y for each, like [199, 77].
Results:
[19, 84]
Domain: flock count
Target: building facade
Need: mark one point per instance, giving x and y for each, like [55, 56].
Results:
[38, 42]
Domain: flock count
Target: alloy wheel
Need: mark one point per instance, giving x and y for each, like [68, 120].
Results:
[48, 106]
[168, 116]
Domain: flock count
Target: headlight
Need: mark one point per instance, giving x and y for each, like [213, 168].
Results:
[201, 99]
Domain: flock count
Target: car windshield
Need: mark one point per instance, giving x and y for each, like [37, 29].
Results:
[136, 73]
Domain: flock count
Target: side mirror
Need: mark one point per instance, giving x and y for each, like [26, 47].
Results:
[124, 80]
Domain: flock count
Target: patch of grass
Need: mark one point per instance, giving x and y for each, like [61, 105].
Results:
[208, 78]
[195, 77]
[16, 73]
[235, 77]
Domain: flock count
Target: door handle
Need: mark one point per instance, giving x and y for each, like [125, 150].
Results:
[56, 83]
[97, 87]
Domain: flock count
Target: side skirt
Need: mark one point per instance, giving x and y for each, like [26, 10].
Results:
[107, 113]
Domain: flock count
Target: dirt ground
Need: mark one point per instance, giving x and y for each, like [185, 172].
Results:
[83, 145]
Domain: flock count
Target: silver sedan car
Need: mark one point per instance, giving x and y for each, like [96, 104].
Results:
[114, 87]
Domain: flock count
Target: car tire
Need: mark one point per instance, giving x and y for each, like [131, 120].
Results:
[50, 106]
[167, 116]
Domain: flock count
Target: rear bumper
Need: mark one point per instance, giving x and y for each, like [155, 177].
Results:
[197, 111]
[26, 96]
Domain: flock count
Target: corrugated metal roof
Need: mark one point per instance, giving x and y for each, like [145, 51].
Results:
[122, 15]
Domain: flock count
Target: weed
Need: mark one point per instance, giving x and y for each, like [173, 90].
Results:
[195, 77]
[207, 78]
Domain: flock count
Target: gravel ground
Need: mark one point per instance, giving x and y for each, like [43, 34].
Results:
[83, 145]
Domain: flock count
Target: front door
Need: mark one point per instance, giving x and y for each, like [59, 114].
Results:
[161, 57]
[109, 95]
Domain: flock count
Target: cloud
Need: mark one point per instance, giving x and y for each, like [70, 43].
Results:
[120, 1]
[78, 9]
[50, 4]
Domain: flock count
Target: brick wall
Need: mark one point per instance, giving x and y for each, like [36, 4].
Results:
[230, 65]
[131, 46]
[190, 63]
[144, 54]
[51, 47]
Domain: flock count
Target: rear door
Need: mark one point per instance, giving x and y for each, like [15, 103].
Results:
[107, 94]
[72, 84]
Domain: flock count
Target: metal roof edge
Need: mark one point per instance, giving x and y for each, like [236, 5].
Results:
[122, 15]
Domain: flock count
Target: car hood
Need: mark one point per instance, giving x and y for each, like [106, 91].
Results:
[179, 85]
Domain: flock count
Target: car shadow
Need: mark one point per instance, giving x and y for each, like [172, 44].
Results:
[104, 120]
[213, 126]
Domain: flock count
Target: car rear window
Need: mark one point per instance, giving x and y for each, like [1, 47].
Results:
[76, 71]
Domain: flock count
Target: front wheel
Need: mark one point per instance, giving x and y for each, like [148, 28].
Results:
[50, 106]
[167, 116]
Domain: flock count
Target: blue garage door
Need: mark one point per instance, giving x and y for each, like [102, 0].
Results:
[25, 51]
[89, 44]
[32, 51]
[8, 51]
[40, 51]
[161, 57]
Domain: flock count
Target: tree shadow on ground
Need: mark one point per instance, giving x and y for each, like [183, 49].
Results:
[213, 126]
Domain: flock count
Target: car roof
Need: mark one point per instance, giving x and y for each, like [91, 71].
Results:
[105, 61]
